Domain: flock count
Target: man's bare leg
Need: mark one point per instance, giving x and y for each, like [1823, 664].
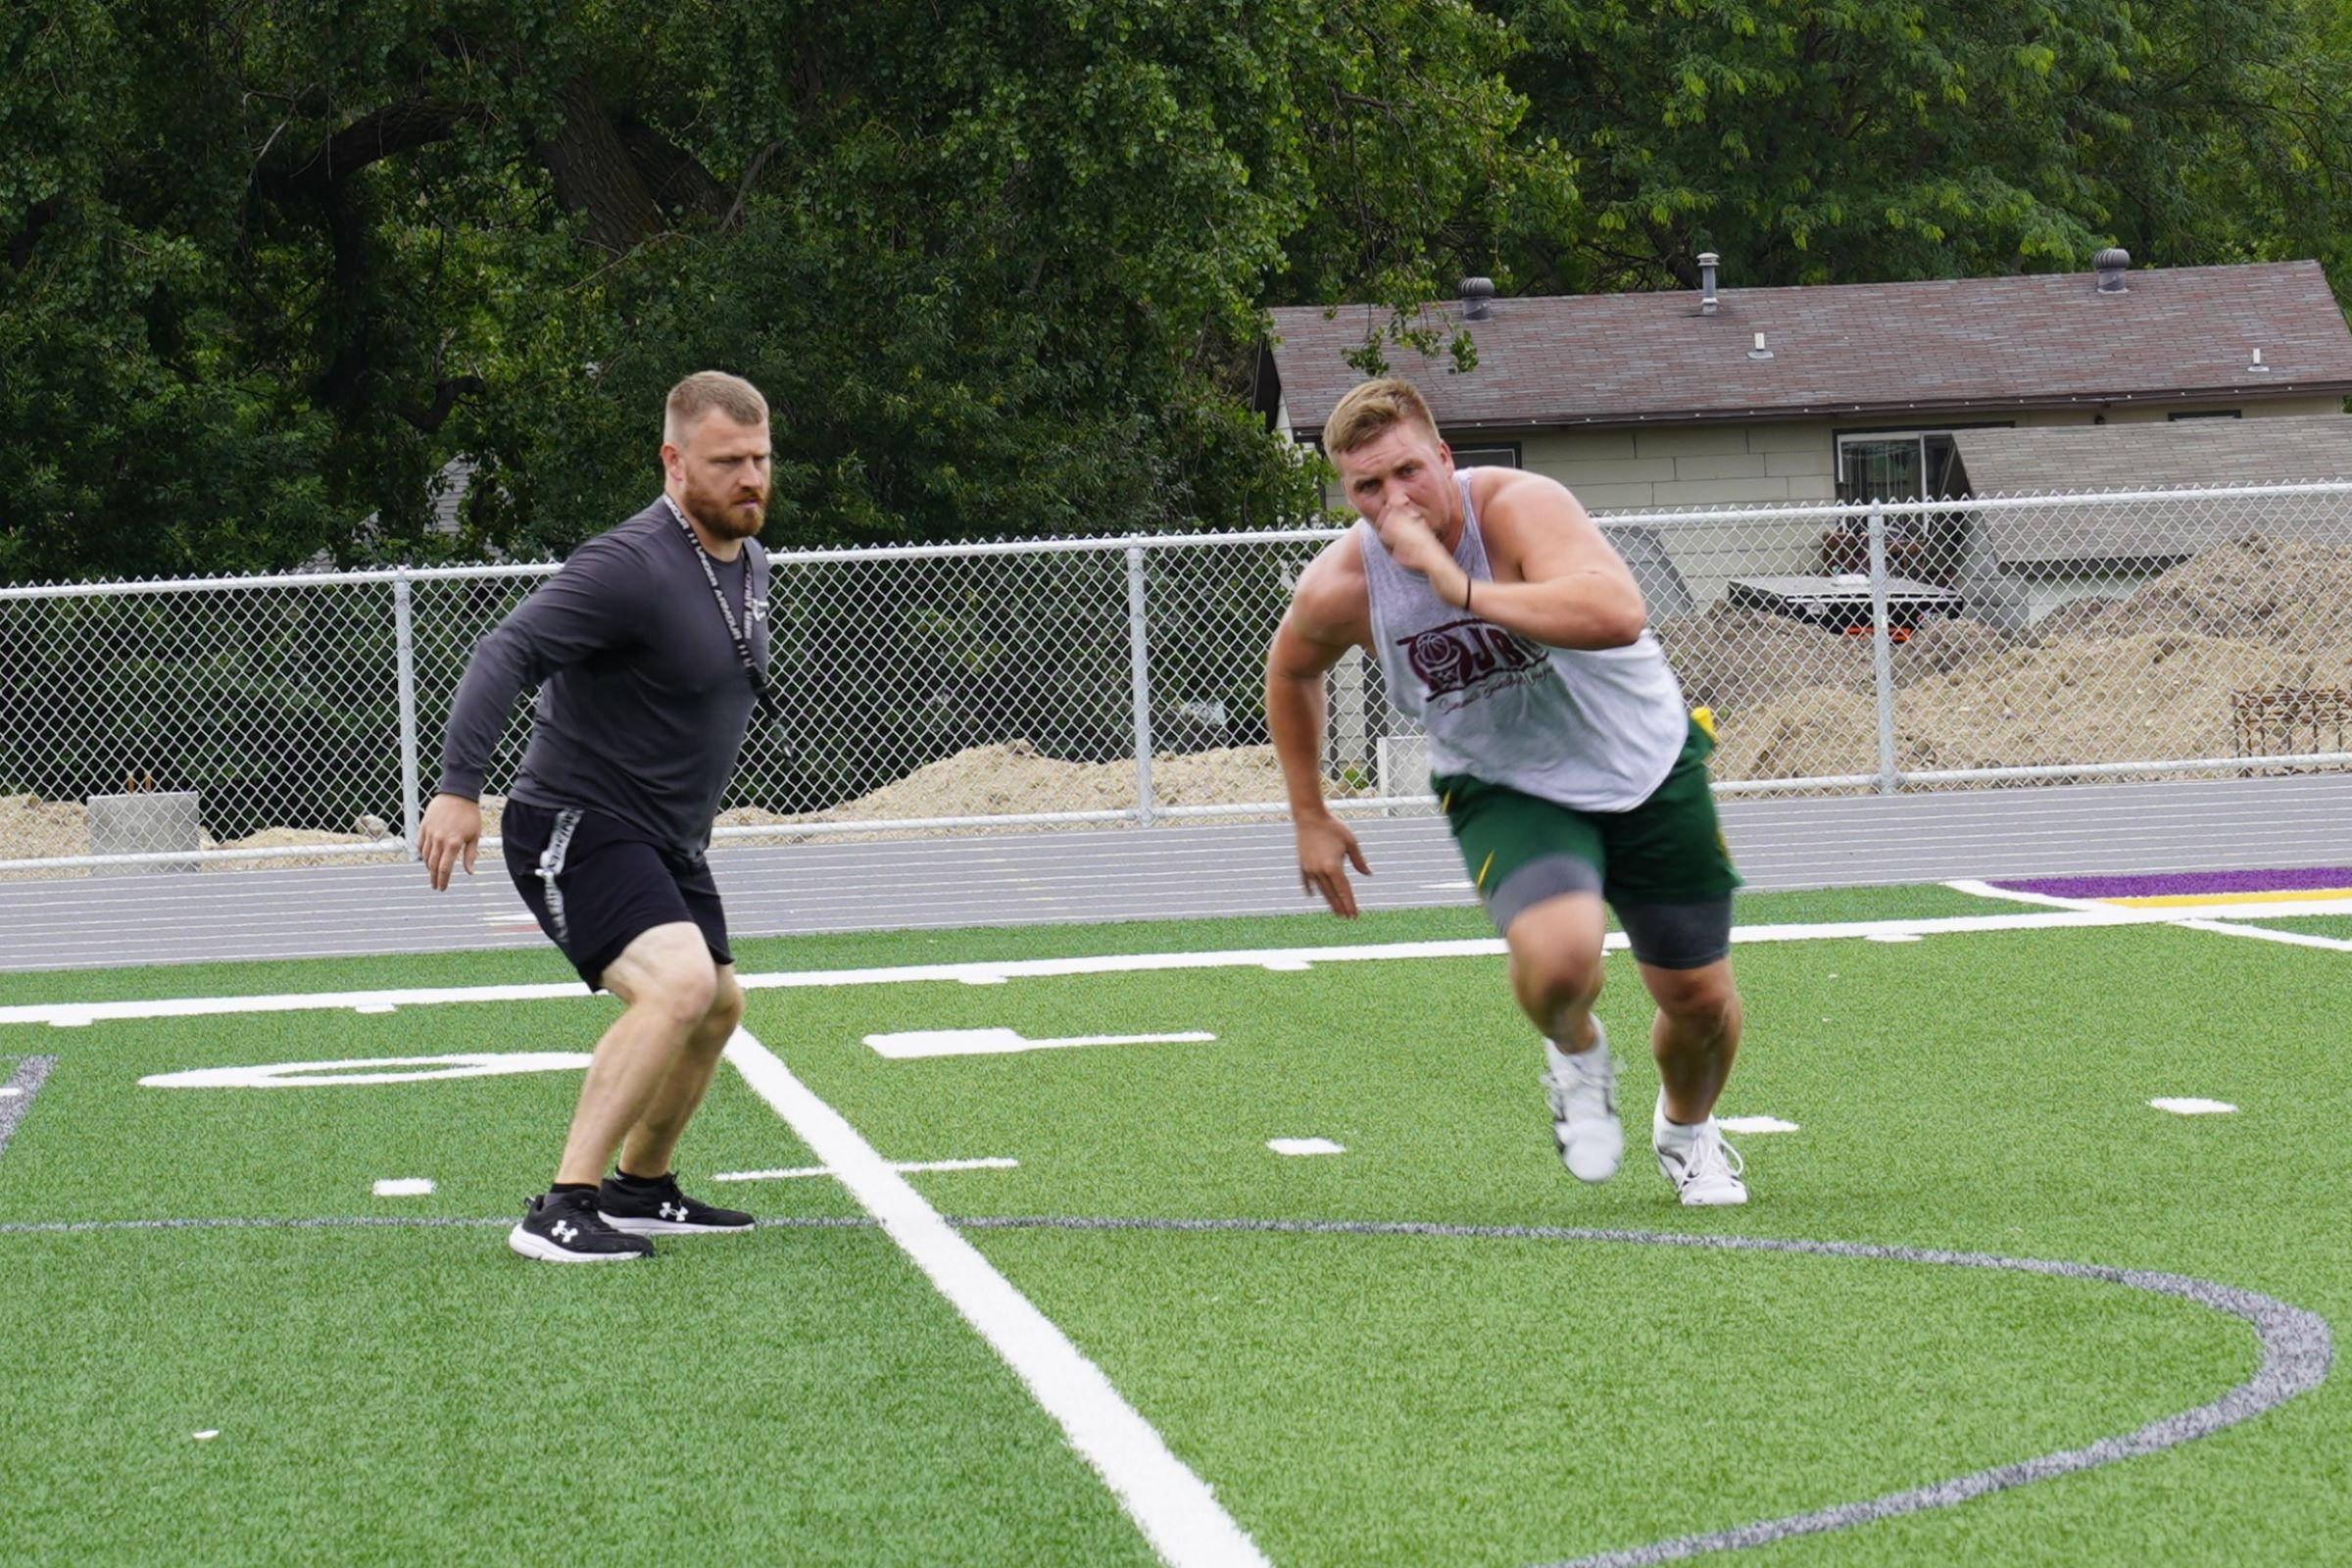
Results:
[1556, 966]
[1696, 1038]
[652, 1144]
[1555, 973]
[669, 984]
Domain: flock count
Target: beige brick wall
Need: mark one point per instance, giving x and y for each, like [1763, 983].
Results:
[1709, 465]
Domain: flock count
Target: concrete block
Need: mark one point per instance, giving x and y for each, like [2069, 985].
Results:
[1404, 766]
[149, 823]
[1542, 450]
[1791, 438]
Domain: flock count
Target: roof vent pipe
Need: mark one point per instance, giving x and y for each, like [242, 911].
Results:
[2111, 264]
[1478, 299]
[1707, 263]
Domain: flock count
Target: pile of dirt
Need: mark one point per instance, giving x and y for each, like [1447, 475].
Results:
[2148, 677]
[1010, 777]
[1736, 661]
[32, 828]
[294, 838]
[2285, 593]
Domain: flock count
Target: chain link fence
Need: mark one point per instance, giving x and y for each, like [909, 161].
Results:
[1987, 642]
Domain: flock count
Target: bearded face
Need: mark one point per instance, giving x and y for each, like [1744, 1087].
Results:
[724, 469]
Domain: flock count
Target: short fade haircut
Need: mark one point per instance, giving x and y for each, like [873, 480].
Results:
[1370, 409]
[705, 390]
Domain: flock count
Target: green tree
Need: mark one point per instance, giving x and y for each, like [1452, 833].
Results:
[1843, 141]
[267, 268]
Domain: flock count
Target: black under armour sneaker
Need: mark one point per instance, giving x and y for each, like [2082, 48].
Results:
[653, 1206]
[565, 1228]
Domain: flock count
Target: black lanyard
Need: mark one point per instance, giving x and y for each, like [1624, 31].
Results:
[743, 647]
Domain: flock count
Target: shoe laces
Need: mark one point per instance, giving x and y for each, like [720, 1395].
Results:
[1710, 1153]
[1590, 1074]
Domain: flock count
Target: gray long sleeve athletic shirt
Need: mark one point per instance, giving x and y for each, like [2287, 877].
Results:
[642, 702]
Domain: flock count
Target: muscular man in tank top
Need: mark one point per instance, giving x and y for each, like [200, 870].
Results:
[1569, 770]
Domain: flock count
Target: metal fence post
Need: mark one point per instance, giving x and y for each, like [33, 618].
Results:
[1138, 658]
[403, 646]
[1882, 655]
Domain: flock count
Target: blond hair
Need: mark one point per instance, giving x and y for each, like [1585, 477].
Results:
[705, 390]
[1370, 409]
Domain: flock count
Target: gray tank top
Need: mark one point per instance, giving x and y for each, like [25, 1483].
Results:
[1596, 729]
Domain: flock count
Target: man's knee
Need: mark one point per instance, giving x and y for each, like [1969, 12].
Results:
[1556, 982]
[1555, 956]
[726, 1005]
[1703, 998]
[679, 983]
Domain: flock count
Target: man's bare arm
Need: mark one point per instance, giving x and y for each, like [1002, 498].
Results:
[1571, 587]
[1319, 628]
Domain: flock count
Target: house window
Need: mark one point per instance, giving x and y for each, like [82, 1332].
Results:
[1898, 465]
[1913, 466]
[1486, 457]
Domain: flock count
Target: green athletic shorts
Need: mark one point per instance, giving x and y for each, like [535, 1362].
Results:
[1669, 849]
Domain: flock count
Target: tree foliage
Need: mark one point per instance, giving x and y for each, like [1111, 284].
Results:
[1813, 141]
[269, 267]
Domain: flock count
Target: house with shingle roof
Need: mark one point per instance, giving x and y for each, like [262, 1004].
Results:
[1736, 397]
[1733, 397]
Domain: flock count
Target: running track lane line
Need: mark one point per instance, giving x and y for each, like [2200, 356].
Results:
[1175, 1508]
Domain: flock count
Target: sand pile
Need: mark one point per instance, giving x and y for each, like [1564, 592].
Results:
[32, 828]
[1734, 661]
[1009, 777]
[2144, 678]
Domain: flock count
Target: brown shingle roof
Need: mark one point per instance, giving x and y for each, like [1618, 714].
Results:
[1876, 348]
[2157, 456]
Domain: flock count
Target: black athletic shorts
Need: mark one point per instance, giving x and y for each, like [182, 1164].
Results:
[598, 884]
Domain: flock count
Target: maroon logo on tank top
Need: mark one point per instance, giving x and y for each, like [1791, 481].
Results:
[1462, 653]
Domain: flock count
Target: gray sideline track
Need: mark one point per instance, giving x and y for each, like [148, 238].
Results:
[1176, 872]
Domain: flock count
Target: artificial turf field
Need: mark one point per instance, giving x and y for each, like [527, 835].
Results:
[1455, 1378]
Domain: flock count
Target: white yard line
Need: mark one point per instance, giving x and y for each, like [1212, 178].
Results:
[2294, 939]
[2066, 915]
[2188, 916]
[1175, 1509]
[799, 1172]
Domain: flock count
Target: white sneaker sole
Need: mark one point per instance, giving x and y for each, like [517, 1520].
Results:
[541, 1249]
[1591, 1150]
[1732, 1198]
[1719, 1201]
[629, 1225]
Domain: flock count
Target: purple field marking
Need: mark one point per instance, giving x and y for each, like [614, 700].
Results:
[2307, 879]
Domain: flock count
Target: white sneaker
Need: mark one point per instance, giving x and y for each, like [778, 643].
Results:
[1704, 1169]
[1583, 1091]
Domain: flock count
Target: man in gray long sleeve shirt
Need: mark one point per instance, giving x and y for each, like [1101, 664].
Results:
[650, 653]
